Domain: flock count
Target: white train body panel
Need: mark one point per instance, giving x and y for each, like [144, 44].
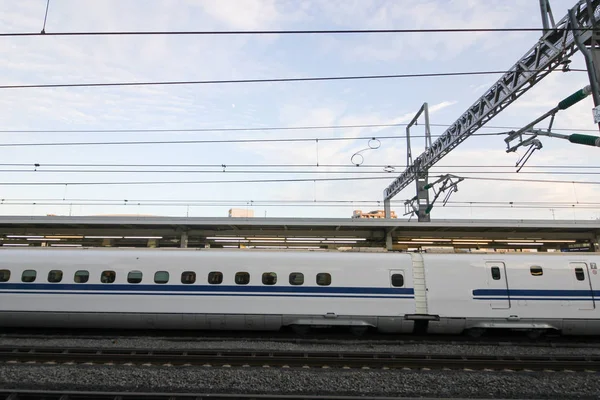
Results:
[445, 293]
[355, 292]
[465, 287]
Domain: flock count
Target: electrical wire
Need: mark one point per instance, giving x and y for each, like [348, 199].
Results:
[582, 207]
[84, 201]
[474, 178]
[96, 183]
[291, 32]
[39, 165]
[266, 80]
[221, 141]
[228, 171]
[265, 129]
[45, 17]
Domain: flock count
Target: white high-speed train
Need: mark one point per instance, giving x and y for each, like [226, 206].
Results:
[265, 290]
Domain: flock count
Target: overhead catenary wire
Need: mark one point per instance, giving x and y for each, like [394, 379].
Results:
[573, 206]
[362, 166]
[45, 17]
[290, 172]
[222, 141]
[289, 32]
[259, 129]
[265, 80]
[288, 201]
[289, 180]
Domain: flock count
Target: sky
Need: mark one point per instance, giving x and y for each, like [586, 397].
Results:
[83, 59]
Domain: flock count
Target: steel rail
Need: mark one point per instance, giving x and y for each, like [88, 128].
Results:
[340, 340]
[296, 358]
[331, 338]
[18, 394]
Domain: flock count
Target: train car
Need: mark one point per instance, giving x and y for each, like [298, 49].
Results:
[265, 290]
[519, 291]
[204, 289]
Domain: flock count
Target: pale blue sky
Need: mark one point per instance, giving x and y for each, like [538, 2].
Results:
[154, 58]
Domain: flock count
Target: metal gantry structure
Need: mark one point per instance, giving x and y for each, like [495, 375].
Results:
[575, 32]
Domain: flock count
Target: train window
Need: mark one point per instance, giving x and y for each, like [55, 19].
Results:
[134, 277]
[81, 276]
[323, 279]
[28, 275]
[242, 278]
[108, 276]
[215, 278]
[496, 273]
[269, 278]
[579, 274]
[55, 276]
[397, 280]
[4, 275]
[296, 278]
[161, 277]
[536, 270]
[188, 277]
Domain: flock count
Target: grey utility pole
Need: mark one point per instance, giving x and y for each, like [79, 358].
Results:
[421, 200]
[552, 51]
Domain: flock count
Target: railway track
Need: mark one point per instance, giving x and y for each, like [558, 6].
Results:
[513, 339]
[289, 359]
[72, 395]
[575, 344]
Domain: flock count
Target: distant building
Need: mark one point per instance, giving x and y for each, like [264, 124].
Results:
[240, 213]
[372, 214]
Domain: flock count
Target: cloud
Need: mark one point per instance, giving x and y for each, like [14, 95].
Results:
[243, 14]
[106, 59]
[411, 15]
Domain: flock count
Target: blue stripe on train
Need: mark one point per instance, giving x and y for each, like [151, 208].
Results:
[535, 292]
[212, 289]
[139, 293]
[536, 298]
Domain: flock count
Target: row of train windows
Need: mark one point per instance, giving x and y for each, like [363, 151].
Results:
[187, 277]
[538, 271]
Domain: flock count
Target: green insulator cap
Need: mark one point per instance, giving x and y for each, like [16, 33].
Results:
[588, 140]
[428, 186]
[428, 209]
[575, 98]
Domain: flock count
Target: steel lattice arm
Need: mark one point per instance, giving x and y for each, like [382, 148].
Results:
[551, 50]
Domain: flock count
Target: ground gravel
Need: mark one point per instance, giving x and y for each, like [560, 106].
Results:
[444, 384]
[258, 345]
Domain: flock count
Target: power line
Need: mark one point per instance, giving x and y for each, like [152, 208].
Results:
[216, 141]
[278, 201]
[266, 80]
[291, 172]
[96, 183]
[45, 17]
[288, 32]
[474, 178]
[266, 129]
[39, 165]
[573, 206]
[291, 203]
[92, 183]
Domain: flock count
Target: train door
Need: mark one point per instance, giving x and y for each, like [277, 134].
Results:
[498, 282]
[580, 275]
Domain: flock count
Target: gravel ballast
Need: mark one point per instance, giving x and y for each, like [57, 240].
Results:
[257, 345]
[455, 383]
